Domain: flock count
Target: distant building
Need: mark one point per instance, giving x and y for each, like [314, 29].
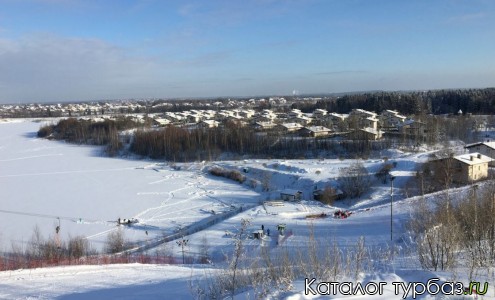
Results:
[366, 134]
[486, 148]
[315, 131]
[390, 120]
[290, 195]
[264, 125]
[464, 168]
[412, 127]
[289, 127]
[335, 117]
[161, 122]
[209, 124]
[319, 113]
[303, 120]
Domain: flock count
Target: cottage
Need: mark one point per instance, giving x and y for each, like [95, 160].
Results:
[161, 122]
[366, 134]
[464, 168]
[412, 127]
[264, 125]
[209, 124]
[291, 195]
[319, 113]
[336, 118]
[370, 123]
[360, 118]
[295, 113]
[362, 114]
[486, 148]
[289, 127]
[328, 194]
[303, 120]
[315, 131]
[390, 120]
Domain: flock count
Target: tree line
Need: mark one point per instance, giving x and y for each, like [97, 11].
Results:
[182, 144]
[475, 101]
[87, 132]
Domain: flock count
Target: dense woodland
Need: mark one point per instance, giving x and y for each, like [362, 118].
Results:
[475, 101]
[180, 144]
[86, 132]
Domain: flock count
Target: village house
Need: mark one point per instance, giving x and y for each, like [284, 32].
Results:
[486, 148]
[246, 114]
[295, 113]
[193, 118]
[319, 113]
[303, 120]
[265, 116]
[366, 134]
[291, 195]
[370, 123]
[360, 118]
[335, 117]
[464, 169]
[264, 125]
[412, 127]
[390, 120]
[161, 122]
[289, 127]
[315, 131]
[209, 124]
[362, 114]
[338, 121]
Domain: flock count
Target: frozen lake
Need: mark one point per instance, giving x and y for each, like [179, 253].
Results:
[46, 182]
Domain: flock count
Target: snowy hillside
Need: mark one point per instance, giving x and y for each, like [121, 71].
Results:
[45, 182]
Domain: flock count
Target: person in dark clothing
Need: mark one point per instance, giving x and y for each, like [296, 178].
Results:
[268, 232]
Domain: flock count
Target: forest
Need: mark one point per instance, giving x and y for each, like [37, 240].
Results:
[475, 101]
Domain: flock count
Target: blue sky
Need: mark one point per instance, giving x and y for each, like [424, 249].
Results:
[67, 50]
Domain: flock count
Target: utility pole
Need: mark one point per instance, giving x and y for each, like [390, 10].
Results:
[391, 201]
[57, 235]
[182, 243]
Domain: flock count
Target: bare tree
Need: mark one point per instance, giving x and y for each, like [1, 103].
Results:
[354, 180]
[78, 246]
[238, 253]
[115, 242]
[204, 251]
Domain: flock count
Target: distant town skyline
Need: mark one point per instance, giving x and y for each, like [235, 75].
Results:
[82, 50]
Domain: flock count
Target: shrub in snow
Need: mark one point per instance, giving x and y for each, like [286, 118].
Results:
[354, 180]
[230, 174]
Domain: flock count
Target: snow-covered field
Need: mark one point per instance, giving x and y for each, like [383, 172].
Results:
[129, 281]
[43, 182]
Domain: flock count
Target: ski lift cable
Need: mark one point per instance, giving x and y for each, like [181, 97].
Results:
[74, 219]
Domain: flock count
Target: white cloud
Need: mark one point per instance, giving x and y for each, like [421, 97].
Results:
[467, 17]
[47, 67]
